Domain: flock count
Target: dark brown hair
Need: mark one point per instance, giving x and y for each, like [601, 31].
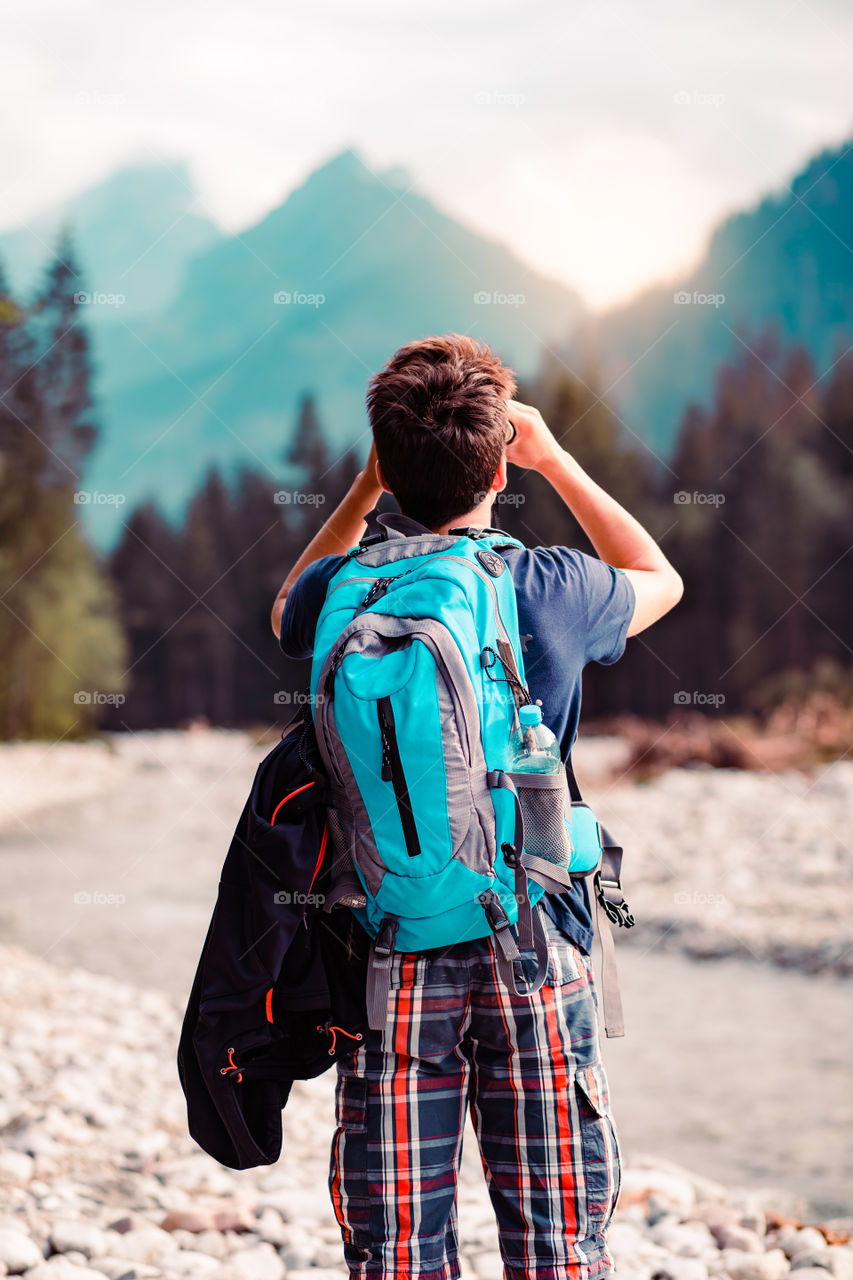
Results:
[438, 411]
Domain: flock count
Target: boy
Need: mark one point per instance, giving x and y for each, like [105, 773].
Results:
[444, 428]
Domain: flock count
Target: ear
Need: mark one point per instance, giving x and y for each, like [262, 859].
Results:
[499, 481]
[380, 479]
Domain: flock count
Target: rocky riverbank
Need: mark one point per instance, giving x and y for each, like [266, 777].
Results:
[99, 1179]
[718, 862]
[724, 862]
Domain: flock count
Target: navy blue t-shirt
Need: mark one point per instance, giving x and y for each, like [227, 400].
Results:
[574, 608]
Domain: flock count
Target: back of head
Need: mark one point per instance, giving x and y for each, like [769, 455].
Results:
[438, 410]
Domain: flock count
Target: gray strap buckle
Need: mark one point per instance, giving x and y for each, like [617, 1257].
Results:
[383, 945]
[615, 907]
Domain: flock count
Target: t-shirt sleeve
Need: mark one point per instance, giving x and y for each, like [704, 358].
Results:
[583, 600]
[610, 603]
[302, 607]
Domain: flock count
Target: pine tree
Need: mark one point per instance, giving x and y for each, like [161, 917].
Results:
[62, 644]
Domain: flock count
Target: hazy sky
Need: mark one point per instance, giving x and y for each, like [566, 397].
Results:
[602, 140]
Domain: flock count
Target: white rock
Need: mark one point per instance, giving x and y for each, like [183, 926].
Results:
[316, 1273]
[67, 1235]
[59, 1268]
[671, 1187]
[329, 1255]
[487, 1266]
[841, 1261]
[189, 1262]
[753, 1266]
[270, 1227]
[753, 1216]
[297, 1255]
[124, 1268]
[18, 1251]
[624, 1241]
[17, 1166]
[811, 1273]
[211, 1242]
[261, 1262]
[798, 1241]
[11, 1222]
[738, 1237]
[681, 1268]
[804, 1258]
[684, 1239]
[146, 1244]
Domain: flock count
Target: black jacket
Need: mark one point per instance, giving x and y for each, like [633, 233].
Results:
[279, 993]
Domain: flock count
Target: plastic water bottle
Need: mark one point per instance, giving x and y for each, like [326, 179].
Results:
[533, 748]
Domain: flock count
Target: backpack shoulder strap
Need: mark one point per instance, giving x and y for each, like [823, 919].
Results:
[609, 909]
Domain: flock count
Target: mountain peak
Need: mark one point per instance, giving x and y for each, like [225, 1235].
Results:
[345, 165]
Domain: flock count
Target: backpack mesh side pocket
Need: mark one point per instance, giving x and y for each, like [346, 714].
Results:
[347, 890]
[545, 808]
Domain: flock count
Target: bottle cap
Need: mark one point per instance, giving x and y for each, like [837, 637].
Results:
[530, 714]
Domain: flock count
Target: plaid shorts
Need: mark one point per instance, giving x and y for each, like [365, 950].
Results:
[531, 1070]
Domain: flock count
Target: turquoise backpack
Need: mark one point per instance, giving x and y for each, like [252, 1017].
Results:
[416, 678]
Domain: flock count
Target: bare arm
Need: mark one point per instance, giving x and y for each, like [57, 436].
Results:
[618, 538]
[343, 529]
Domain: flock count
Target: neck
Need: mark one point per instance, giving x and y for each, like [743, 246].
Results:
[479, 516]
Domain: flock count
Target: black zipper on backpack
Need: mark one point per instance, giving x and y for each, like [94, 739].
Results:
[379, 587]
[392, 771]
[337, 659]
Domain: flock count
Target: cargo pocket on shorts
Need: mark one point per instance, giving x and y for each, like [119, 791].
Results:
[348, 1172]
[565, 962]
[351, 1099]
[602, 1161]
[426, 1007]
[407, 970]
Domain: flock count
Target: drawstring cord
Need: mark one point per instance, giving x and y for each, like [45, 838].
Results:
[231, 1067]
[333, 1033]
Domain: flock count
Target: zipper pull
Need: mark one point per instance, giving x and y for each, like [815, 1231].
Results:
[385, 773]
[377, 589]
[337, 659]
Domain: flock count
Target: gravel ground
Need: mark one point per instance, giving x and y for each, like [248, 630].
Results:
[99, 1179]
[736, 1061]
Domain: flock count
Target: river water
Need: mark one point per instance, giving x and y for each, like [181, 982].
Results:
[739, 1071]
